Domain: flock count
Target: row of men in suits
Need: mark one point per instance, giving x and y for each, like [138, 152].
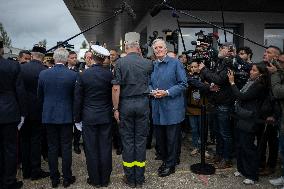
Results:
[20, 103]
[20, 109]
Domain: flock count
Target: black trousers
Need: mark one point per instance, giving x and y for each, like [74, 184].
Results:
[134, 120]
[31, 148]
[168, 139]
[116, 139]
[270, 139]
[98, 149]
[59, 135]
[8, 154]
[247, 154]
[76, 136]
[44, 146]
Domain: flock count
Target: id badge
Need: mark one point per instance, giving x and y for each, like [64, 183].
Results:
[196, 95]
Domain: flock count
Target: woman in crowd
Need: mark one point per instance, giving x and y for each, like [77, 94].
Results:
[247, 110]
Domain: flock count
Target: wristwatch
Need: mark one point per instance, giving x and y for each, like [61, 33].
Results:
[114, 109]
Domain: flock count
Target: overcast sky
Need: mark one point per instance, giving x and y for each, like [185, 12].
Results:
[29, 21]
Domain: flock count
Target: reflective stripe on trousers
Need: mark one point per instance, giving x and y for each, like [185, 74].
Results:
[134, 163]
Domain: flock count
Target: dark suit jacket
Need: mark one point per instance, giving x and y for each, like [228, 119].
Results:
[93, 104]
[30, 73]
[56, 89]
[12, 92]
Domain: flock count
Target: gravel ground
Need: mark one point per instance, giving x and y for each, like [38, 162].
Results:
[183, 178]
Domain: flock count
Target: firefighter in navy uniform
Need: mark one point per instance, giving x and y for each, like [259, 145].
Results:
[93, 107]
[131, 108]
[31, 133]
[12, 112]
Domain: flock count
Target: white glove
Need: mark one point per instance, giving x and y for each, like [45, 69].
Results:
[21, 123]
[79, 126]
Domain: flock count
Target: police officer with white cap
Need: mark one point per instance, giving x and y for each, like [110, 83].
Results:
[131, 108]
[93, 107]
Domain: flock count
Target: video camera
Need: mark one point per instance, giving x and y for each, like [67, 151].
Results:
[205, 39]
[152, 38]
[204, 51]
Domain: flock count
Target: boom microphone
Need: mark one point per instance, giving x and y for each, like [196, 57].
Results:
[128, 9]
[156, 10]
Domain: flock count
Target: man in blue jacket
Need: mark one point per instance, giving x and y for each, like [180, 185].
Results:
[55, 89]
[168, 83]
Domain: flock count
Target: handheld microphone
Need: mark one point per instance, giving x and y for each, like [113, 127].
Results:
[128, 9]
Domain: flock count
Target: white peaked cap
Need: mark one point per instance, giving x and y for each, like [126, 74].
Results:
[100, 51]
[132, 37]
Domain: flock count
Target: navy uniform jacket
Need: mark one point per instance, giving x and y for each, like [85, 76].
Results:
[93, 102]
[30, 73]
[56, 89]
[12, 92]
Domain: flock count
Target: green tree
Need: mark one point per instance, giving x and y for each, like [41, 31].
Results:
[84, 45]
[5, 36]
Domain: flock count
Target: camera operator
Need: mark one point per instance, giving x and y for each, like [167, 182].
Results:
[240, 67]
[222, 101]
[245, 53]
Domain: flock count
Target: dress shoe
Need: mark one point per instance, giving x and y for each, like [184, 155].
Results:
[223, 164]
[55, 183]
[77, 149]
[105, 184]
[129, 184]
[119, 151]
[15, 185]
[67, 183]
[26, 176]
[162, 167]
[266, 171]
[217, 159]
[158, 157]
[167, 171]
[139, 185]
[177, 161]
[40, 175]
[92, 183]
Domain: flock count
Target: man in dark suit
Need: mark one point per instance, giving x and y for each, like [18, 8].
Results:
[31, 131]
[71, 64]
[12, 110]
[93, 106]
[55, 89]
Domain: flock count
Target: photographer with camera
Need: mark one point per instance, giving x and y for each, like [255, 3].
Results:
[245, 53]
[248, 113]
[222, 101]
[240, 67]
